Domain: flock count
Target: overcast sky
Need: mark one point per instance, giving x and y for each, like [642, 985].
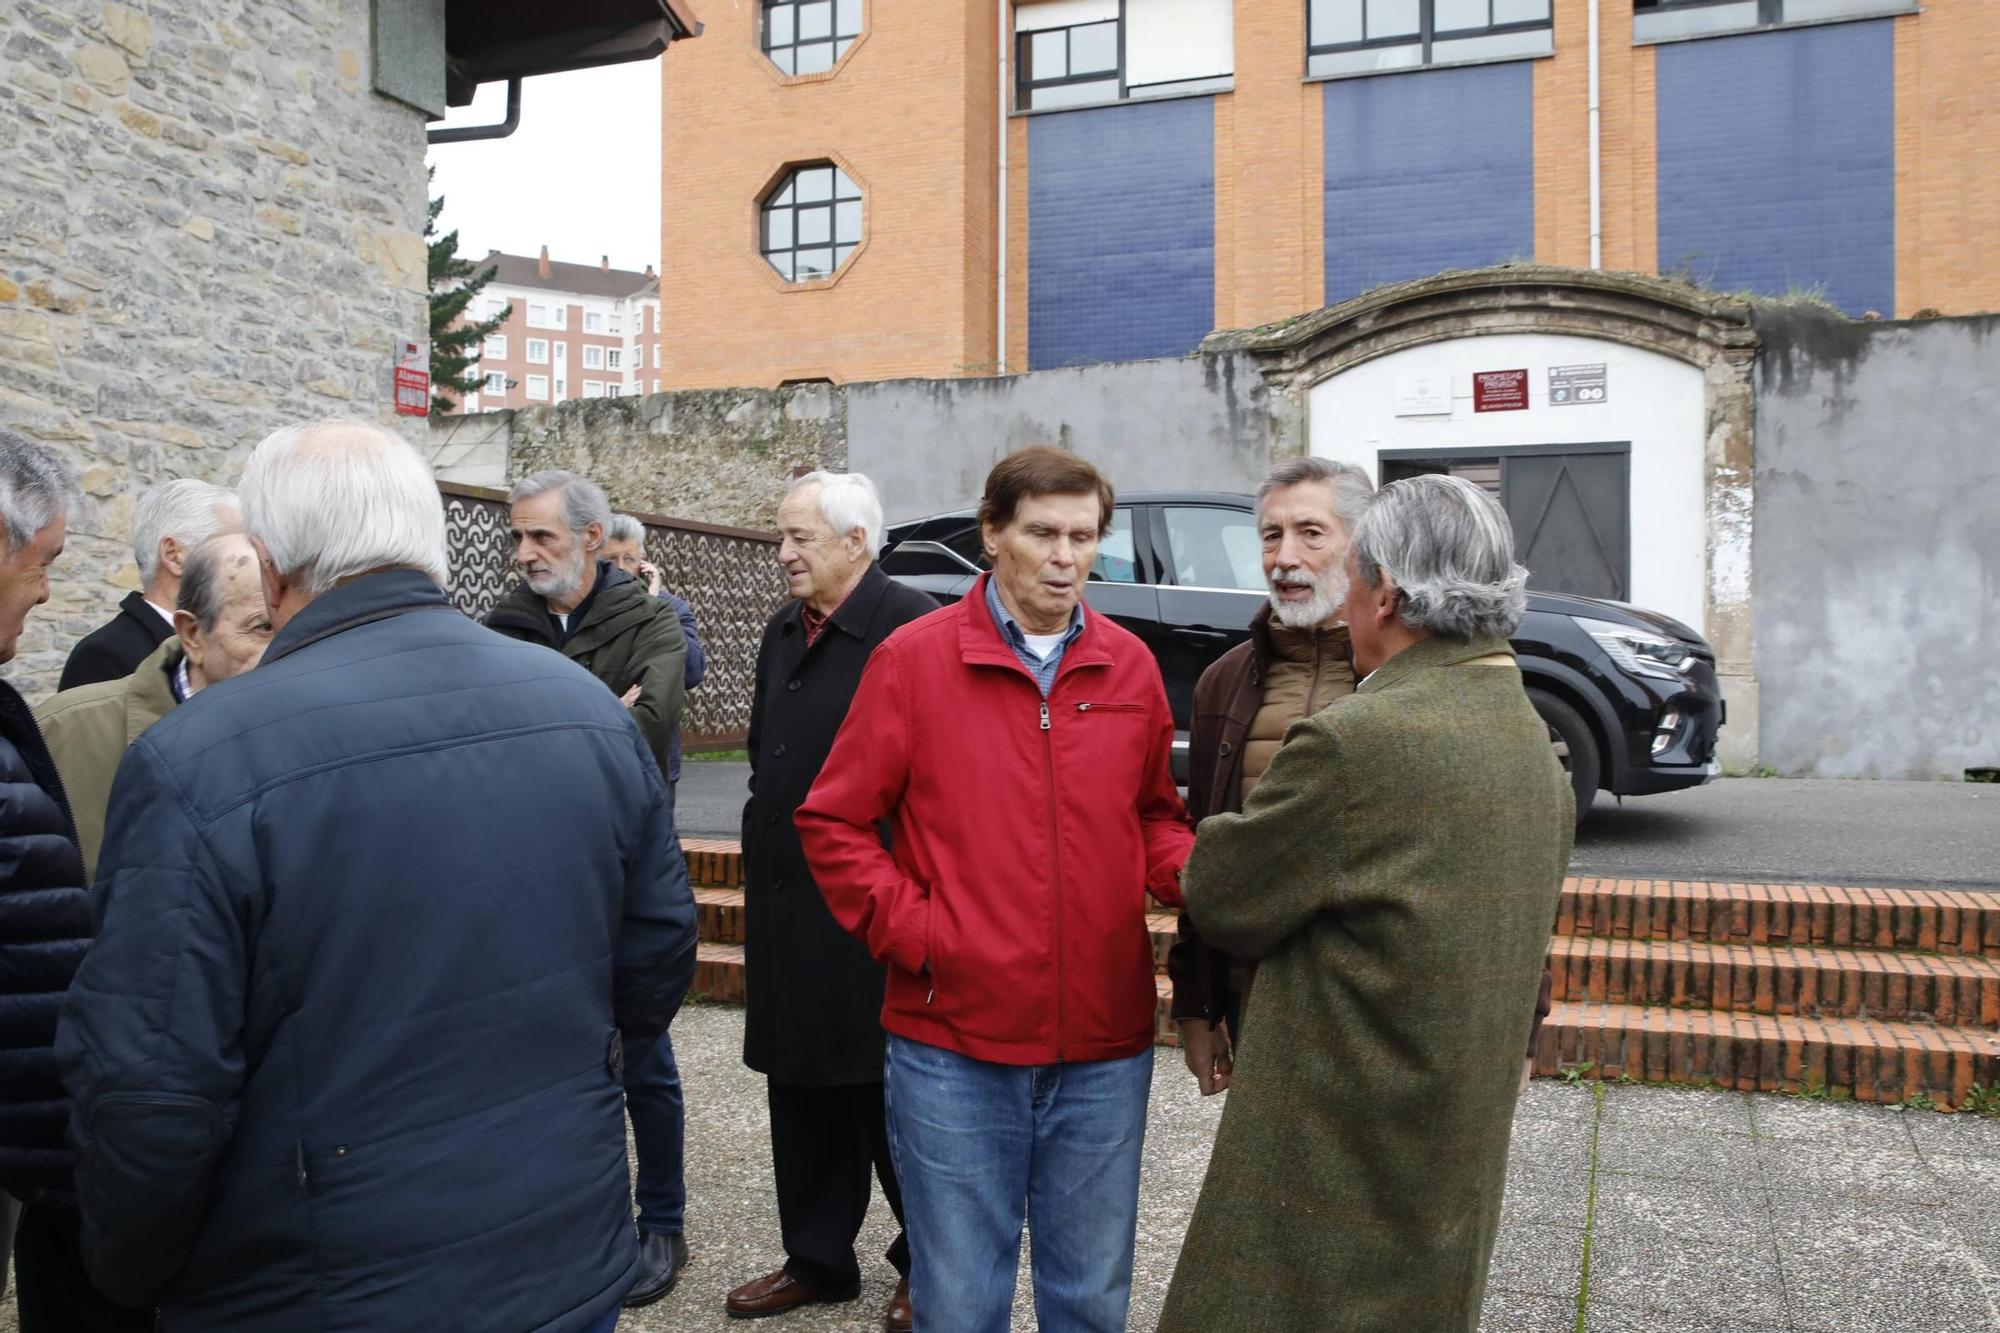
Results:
[581, 175]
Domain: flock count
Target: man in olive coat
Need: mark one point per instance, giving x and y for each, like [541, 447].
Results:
[814, 1021]
[1393, 875]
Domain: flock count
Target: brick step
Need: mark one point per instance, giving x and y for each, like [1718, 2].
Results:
[1951, 990]
[718, 977]
[1955, 921]
[1867, 1059]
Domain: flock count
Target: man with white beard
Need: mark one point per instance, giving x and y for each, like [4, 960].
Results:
[1296, 662]
[574, 601]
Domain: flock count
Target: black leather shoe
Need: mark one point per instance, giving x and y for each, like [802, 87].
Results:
[662, 1256]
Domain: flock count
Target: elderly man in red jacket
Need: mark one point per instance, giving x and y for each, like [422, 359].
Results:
[1017, 744]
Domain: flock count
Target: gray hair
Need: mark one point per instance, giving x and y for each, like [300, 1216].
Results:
[203, 589]
[1450, 549]
[1353, 489]
[35, 489]
[335, 499]
[183, 509]
[583, 500]
[847, 500]
[625, 528]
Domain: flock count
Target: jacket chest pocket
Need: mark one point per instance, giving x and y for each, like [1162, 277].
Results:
[1087, 708]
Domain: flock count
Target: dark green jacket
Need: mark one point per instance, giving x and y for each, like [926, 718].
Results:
[628, 637]
[1395, 873]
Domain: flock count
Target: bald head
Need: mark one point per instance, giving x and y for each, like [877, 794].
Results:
[337, 499]
[222, 621]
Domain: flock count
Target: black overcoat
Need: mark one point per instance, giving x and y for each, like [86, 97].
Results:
[814, 996]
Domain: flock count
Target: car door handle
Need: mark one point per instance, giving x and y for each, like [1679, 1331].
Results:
[1202, 634]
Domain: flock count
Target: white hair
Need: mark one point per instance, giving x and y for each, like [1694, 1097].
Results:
[583, 500]
[338, 498]
[847, 500]
[625, 528]
[184, 509]
[1450, 549]
[35, 489]
[1352, 489]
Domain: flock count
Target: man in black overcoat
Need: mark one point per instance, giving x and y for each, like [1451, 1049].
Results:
[813, 1027]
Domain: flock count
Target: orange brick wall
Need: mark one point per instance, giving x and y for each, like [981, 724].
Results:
[907, 112]
[1629, 237]
[1269, 173]
[1948, 159]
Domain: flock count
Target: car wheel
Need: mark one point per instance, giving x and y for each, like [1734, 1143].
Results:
[1576, 748]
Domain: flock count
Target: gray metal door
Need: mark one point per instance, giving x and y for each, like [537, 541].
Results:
[1571, 520]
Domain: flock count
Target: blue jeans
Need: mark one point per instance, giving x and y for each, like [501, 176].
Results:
[980, 1146]
[659, 1136]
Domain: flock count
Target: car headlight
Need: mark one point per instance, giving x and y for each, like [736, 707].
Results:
[1639, 651]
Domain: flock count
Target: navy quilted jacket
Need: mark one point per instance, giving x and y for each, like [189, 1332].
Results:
[45, 926]
[345, 1055]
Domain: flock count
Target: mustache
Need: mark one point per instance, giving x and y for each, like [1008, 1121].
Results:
[1296, 576]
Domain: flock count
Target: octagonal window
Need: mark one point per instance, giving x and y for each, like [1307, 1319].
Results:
[808, 36]
[811, 222]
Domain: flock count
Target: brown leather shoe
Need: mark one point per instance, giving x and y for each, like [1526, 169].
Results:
[775, 1293]
[898, 1318]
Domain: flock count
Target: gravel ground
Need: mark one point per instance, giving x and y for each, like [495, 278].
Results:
[1714, 1212]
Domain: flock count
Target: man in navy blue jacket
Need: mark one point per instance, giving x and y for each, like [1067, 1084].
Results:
[377, 921]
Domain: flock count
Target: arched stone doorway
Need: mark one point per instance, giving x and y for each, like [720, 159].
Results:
[1619, 408]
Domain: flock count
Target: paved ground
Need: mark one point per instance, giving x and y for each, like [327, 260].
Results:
[1909, 833]
[1714, 1212]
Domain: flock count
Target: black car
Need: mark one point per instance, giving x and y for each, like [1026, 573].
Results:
[1629, 695]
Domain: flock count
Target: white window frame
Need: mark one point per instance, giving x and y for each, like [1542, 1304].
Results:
[491, 387]
[614, 390]
[496, 346]
[593, 388]
[562, 389]
[593, 357]
[562, 353]
[537, 394]
[614, 358]
[656, 387]
[593, 321]
[538, 316]
[535, 359]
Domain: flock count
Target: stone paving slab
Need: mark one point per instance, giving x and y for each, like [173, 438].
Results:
[1715, 1212]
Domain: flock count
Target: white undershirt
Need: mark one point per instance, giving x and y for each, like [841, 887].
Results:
[562, 619]
[164, 614]
[1041, 645]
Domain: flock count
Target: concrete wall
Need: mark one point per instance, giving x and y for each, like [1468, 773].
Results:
[211, 227]
[1196, 423]
[724, 455]
[1877, 579]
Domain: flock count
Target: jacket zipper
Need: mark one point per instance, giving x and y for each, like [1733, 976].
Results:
[1055, 858]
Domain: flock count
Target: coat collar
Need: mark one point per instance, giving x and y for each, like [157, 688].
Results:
[980, 642]
[852, 617]
[1432, 652]
[135, 605]
[149, 690]
[361, 600]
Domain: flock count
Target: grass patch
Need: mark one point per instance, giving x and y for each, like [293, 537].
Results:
[716, 757]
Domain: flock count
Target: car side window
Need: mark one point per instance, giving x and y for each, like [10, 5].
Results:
[1214, 547]
[967, 543]
[1117, 558]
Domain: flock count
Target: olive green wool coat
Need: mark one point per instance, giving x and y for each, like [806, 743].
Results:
[1396, 872]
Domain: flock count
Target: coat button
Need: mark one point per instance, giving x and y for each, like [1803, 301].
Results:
[777, 883]
[1224, 749]
[778, 753]
[791, 684]
[774, 816]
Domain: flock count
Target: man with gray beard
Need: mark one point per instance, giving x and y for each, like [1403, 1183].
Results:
[1296, 662]
[574, 601]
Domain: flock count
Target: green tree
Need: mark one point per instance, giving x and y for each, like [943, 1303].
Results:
[454, 344]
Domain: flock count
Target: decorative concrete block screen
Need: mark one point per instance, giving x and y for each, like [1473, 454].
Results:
[728, 575]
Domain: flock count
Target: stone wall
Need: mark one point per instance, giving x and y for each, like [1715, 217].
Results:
[724, 455]
[211, 227]
[1877, 520]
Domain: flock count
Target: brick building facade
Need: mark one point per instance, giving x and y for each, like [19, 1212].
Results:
[1175, 166]
[572, 331]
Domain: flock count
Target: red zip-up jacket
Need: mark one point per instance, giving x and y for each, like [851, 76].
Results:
[1011, 912]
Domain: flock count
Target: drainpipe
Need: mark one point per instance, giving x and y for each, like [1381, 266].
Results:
[1596, 159]
[1001, 278]
[498, 130]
